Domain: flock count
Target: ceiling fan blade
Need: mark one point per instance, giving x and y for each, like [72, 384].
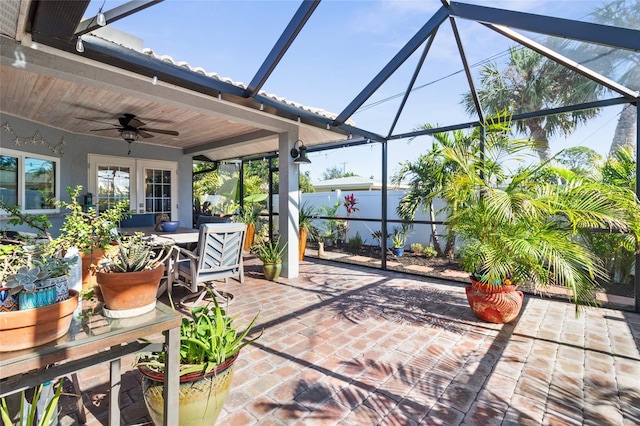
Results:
[164, 132]
[144, 134]
[101, 130]
[130, 120]
[96, 121]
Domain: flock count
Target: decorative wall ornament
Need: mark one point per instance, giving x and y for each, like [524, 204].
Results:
[36, 139]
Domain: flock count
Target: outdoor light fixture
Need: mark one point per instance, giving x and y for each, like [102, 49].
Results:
[129, 135]
[100, 19]
[300, 155]
[79, 45]
[154, 80]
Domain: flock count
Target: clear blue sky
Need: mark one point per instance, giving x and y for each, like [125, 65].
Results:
[342, 47]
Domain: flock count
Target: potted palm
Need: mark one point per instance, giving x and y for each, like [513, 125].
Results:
[271, 253]
[209, 345]
[306, 228]
[129, 276]
[520, 229]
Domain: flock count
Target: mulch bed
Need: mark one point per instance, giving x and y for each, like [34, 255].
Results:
[437, 267]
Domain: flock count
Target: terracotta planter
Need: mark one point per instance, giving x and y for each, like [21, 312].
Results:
[248, 239]
[302, 244]
[133, 293]
[201, 397]
[35, 327]
[272, 271]
[88, 275]
[496, 304]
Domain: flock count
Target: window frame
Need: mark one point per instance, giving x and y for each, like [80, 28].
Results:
[21, 191]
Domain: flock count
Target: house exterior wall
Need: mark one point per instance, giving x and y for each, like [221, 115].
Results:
[74, 162]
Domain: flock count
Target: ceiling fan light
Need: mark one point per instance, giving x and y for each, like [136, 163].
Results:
[100, 19]
[129, 135]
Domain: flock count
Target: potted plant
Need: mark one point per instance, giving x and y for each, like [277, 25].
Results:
[271, 253]
[89, 232]
[306, 228]
[36, 317]
[209, 345]
[129, 276]
[398, 240]
[249, 215]
[523, 228]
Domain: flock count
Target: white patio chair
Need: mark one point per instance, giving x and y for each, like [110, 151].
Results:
[217, 256]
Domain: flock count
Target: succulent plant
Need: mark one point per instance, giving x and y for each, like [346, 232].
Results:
[26, 279]
[134, 254]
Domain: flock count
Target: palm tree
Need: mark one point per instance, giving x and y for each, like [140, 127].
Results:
[532, 82]
[623, 65]
[513, 224]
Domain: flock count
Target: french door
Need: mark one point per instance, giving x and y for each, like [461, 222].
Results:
[151, 186]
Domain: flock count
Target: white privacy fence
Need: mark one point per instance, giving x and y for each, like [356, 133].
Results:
[370, 207]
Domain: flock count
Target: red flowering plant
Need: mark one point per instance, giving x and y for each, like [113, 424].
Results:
[350, 202]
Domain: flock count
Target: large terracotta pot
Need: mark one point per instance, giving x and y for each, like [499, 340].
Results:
[248, 239]
[201, 397]
[34, 327]
[302, 244]
[496, 304]
[133, 293]
[272, 271]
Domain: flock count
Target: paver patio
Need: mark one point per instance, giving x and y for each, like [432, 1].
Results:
[346, 345]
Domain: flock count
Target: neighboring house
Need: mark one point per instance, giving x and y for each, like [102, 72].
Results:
[352, 183]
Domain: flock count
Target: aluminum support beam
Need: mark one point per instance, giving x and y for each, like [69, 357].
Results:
[413, 81]
[290, 33]
[467, 71]
[560, 110]
[114, 15]
[623, 38]
[563, 60]
[404, 53]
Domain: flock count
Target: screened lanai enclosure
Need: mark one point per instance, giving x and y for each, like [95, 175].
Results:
[395, 76]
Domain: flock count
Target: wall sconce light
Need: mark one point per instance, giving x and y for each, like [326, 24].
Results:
[300, 154]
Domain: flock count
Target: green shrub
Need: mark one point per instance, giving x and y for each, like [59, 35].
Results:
[429, 251]
[417, 248]
[356, 242]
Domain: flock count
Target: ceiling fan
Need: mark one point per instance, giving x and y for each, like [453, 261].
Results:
[131, 128]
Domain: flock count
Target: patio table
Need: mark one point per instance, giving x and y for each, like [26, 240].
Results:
[180, 236]
[94, 339]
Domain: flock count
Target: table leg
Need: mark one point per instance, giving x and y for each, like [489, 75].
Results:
[172, 377]
[114, 395]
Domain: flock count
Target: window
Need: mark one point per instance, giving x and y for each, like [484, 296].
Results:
[29, 180]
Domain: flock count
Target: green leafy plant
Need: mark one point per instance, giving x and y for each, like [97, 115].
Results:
[87, 230]
[356, 242]
[430, 251]
[399, 237]
[270, 251]
[306, 215]
[133, 254]
[417, 248]
[28, 417]
[207, 339]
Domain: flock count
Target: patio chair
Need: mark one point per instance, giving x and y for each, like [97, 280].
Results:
[217, 256]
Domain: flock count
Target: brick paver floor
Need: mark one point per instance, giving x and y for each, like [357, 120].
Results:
[345, 345]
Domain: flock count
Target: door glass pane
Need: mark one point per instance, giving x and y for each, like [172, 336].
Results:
[9, 180]
[114, 185]
[158, 191]
[39, 184]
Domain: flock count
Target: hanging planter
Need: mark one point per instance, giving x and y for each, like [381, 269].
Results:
[498, 304]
